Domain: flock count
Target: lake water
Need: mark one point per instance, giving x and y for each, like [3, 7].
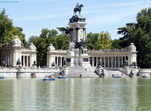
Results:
[75, 94]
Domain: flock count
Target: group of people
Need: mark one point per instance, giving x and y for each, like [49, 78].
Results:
[49, 77]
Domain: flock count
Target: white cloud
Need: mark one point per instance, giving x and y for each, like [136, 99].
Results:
[116, 5]
[39, 17]
[127, 4]
[105, 19]
[88, 12]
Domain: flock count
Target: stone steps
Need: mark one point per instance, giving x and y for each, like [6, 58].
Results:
[88, 72]
[84, 72]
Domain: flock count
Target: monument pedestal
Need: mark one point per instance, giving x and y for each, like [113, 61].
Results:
[78, 57]
[85, 59]
[70, 58]
[78, 60]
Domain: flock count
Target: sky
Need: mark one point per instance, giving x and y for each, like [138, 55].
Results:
[101, 15]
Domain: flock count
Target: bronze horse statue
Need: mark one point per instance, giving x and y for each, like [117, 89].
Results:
[77, 9]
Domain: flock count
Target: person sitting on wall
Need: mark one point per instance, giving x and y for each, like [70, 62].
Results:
[80, 75]
[51, 76]
[46, 77]
[131, 74]
[60, 74]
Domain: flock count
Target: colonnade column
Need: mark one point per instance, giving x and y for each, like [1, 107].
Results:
[26, 61]
[104, 62]
[92, 61]
[118, 62]
[112, 62]
[97, 61]
[115, 62]
[108, 60]
[59, 61]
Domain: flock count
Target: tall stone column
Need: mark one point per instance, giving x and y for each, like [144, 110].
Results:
[104, 62]
[92, 61]
[115, 61]
[111, 62]
[97, 61]
[118, 62]
[77, 32]
[108, 62]
[27, 61]
[60, 61]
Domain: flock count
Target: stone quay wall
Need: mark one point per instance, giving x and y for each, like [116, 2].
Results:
[27, 72]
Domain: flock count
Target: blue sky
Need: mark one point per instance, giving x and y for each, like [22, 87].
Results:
[101, 15]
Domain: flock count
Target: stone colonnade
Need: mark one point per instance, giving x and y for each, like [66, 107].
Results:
[109, 58]
[56, 58]
[6, 58]
[14, 53]
[109, 62]
[59, 61]
[28, 60]
[106, 62]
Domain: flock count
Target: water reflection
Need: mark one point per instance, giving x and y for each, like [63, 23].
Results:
[75, 94]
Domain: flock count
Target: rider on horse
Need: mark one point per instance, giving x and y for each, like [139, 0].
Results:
[78, 8]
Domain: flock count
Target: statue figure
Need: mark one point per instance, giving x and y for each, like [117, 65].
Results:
[16, 41]
[99, 64]
[65, 62]
[77, 9]
[125, 63]
[71, 46]
[18, 61]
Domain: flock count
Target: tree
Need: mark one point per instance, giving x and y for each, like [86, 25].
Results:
[116, 44]
[140, 34]
[60, 42]
[43, 41]
[93, 41]
[46, 33]
[127, 33]
[8, 31]
[144, 20]
[98, 41]
[105, 41]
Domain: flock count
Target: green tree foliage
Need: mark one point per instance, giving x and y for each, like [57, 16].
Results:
[140, 34]
[60, 41]
[46, 33]
[8, 31]
[116, 44]
[93, 41]
[144, 20]
[98, 41]
[43, 41]
[105, 41]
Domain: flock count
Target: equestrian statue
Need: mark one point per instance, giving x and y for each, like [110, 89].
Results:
[78, 9]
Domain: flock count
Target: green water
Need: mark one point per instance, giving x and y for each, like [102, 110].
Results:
[75, 94]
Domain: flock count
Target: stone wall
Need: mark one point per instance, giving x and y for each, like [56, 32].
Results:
[26, 72]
